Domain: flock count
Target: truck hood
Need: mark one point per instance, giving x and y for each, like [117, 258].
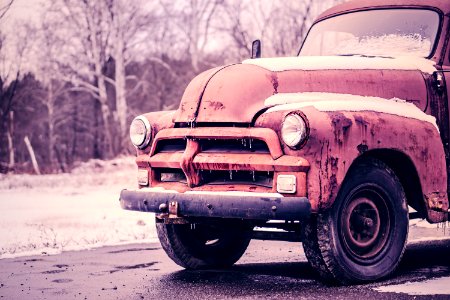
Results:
[236, 93]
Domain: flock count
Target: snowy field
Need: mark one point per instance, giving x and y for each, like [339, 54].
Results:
[52, 213]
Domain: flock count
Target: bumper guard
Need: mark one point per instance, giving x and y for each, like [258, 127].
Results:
[217, 205]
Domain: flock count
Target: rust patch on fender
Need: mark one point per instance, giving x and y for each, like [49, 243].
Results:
[362, 148]
[323, 169]
[333, 184]
[437, 201]
[363, 125]
[437, 207]
[216, 105]
[274, 81]
[341, 125]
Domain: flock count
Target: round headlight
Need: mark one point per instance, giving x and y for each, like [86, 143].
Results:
[140, 132]
[294, 130]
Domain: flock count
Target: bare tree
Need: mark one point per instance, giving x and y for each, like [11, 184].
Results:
[194, 19]
[48, 47]
[131, 26]
[100, 35]
[4, 7]
[12, 53]
[243, 22]
[282, 26]
[80, 29]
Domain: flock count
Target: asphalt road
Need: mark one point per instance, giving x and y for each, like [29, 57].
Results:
[268, 270]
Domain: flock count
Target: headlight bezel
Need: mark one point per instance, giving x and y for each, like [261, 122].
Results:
[303, 138]
[148, 132]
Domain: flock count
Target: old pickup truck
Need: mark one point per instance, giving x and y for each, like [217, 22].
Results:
[340, 145]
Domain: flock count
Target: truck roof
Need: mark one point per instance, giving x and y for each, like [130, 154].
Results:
[443, 5]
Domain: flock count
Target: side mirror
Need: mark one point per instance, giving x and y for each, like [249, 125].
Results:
[256, 49]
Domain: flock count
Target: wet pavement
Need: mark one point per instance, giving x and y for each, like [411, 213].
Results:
[269, 270]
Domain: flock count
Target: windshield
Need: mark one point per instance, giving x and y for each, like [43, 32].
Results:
[383, 32]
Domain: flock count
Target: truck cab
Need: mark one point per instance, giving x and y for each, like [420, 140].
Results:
[332, 145]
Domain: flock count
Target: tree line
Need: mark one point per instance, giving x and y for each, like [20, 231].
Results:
[72, 79]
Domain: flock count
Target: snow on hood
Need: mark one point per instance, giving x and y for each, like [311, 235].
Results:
[346, 102]
[310, 63]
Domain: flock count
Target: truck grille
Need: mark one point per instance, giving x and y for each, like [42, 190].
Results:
[204, 157]
[263, 179]
[215, 146]
[215, 177]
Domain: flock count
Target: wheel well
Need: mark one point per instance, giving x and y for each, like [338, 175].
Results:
[406, 172]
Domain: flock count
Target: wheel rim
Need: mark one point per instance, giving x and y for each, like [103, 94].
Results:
[365, 224]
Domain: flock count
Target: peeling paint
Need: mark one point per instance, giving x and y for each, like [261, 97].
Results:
[362, 148]
[274, 81]
[341, 125]
[216, 105]
[333, 188]
[437, 201]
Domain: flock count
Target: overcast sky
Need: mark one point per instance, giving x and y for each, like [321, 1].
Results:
[20, 10]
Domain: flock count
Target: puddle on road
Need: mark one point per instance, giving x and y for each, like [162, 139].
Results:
[53, 271]
[133, 250]
[133, 267]
[60, 266]
[34, 259]
[62, 280]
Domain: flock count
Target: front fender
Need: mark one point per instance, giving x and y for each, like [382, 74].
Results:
[338, 138]
[158, 120]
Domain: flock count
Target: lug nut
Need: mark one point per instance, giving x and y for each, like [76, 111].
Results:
[368, 223]
[163, 207]
[274, 208]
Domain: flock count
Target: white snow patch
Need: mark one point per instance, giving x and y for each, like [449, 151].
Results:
[223, 193]
[438, 286]
[346, 102]
[53, 213]
[237, 193]
[411, 45]
[425, 224]
[158, 189]
[429, 238]
[311, 63]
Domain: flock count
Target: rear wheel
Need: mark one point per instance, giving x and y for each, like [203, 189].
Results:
[204, 246]
[363, 236]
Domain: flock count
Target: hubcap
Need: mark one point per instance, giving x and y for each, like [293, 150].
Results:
[365, 224]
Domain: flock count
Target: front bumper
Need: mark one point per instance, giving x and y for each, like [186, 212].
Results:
[232, 205]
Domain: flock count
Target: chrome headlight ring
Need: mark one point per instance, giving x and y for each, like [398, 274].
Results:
[140, 132]
[295, 130]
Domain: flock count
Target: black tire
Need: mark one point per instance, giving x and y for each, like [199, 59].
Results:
[204, 246]
[312, 251]
[363, 236]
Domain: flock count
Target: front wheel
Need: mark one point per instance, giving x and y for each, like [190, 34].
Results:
[363, 236]
[205, 246]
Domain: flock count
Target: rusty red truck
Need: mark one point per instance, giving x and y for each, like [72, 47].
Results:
[333, 145]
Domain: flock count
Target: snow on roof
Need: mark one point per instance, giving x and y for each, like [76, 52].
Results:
[306, 63]
[345, 102]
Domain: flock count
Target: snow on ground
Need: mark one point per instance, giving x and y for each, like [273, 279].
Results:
[437, 286]
[80, 210]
